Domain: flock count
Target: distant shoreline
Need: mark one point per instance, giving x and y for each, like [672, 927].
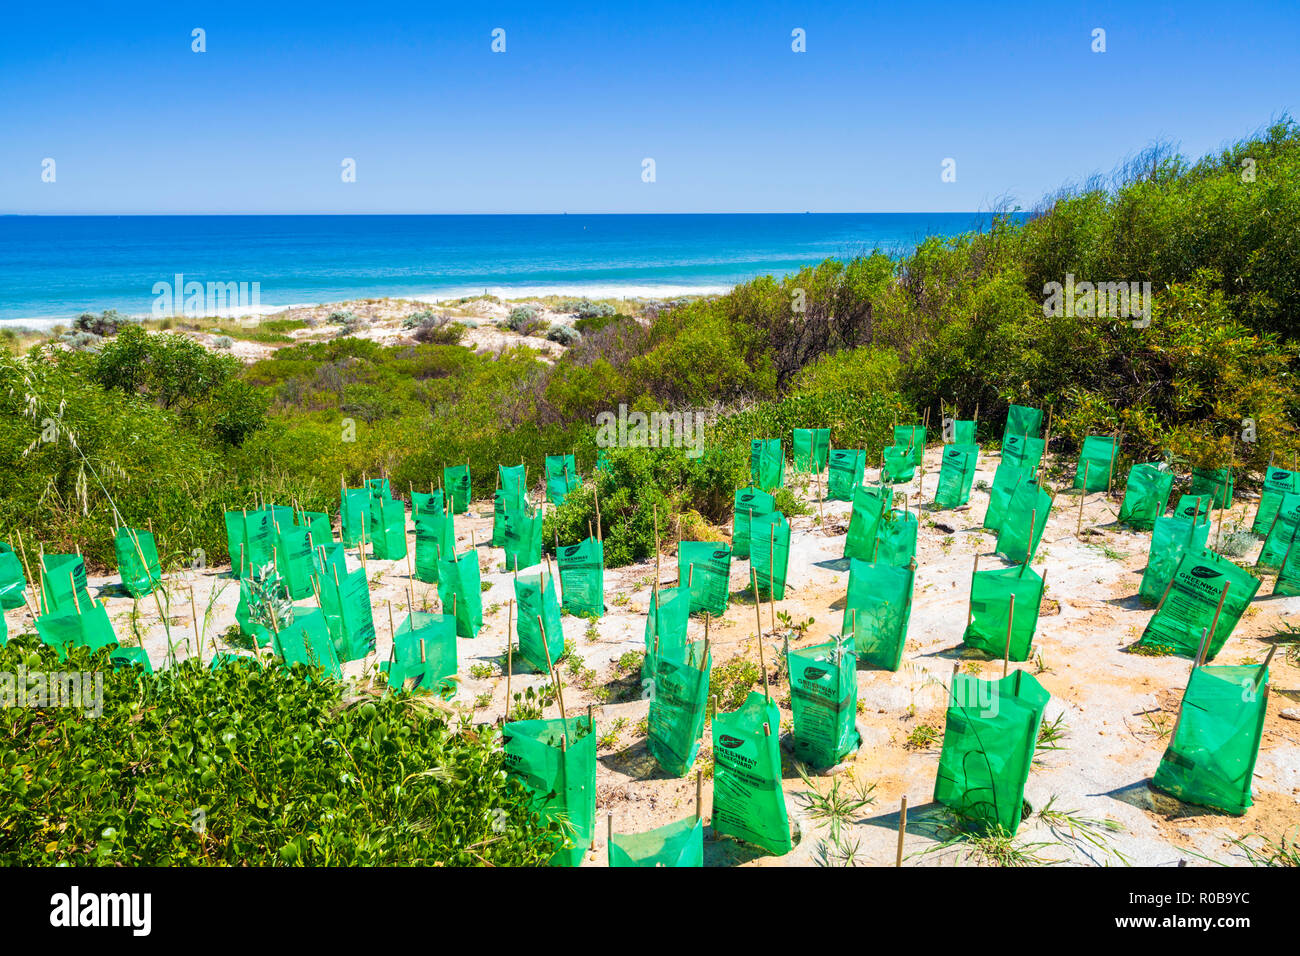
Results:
[635, 293]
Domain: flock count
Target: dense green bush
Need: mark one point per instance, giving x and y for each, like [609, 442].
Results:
[249, 765]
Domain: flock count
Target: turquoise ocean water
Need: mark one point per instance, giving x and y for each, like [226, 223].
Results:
[52, 268]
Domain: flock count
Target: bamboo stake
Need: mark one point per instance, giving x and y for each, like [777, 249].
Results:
[1263, 668]
[1011, 618]
[1217, 611]
[656, 513]
[194, 616]
[510, 651]
[1029, 545]
[609, 838]
[902, 829]
[771, 574]
[1114, 453]
[550, 666]
[699, 795]
[1161, 602]
[31, 581]
[1083, 493]
[758, 615]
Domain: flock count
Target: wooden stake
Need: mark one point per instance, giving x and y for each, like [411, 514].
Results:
[1168, 588]
[758, 615]
[1217, 611]
[1011, 617]
[1083, 493]
[550, 666]
[1029, 545]
[194, 616]
[771, 574]
[1263, 668]
[657, 577]
[902, 829]
[510, 651]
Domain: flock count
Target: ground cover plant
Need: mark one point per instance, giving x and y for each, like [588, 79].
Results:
[249, 764]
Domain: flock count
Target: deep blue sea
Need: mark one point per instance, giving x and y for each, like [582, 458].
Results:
[53, 268]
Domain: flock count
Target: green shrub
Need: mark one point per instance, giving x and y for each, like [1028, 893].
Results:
[248, 766]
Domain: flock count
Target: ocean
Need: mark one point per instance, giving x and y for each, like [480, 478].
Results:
[53, 268]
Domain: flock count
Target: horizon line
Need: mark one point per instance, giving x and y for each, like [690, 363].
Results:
[161, 215]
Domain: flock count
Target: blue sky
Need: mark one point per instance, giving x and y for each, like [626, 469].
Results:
[734, 120]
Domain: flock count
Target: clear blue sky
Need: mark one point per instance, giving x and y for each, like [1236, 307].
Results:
[735, 121]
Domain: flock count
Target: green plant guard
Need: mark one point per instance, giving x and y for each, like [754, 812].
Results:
[350, 623]
[897, 539]
[679, 697]
[749, 501]
[456, 482]
[911, 437]
[847, 470]
[748, 801]
[555, 760]
[705, 568]
[460, 593]
[898, 465]
[665, 626]
[769, 553]
[1216, 482]
[811, 448]
[561, 478]
[424, 651]
[538, 623]
[1022, 420]
[1146, 495]
[63, 584]
[673, 844]
[877, 611]
[137, 561]
[12, 580]
[1277, 482]
[388, 524]
[307, 641]
[991, 592]
[1210, 760]
[956, 475]
[1023, 451]
[1282, 531]
[824, 700]
[988, 745]
[1026, 519]
[1097, 459]
[1191, 605]
[766, 463]
[582, 577]
[870, 503]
